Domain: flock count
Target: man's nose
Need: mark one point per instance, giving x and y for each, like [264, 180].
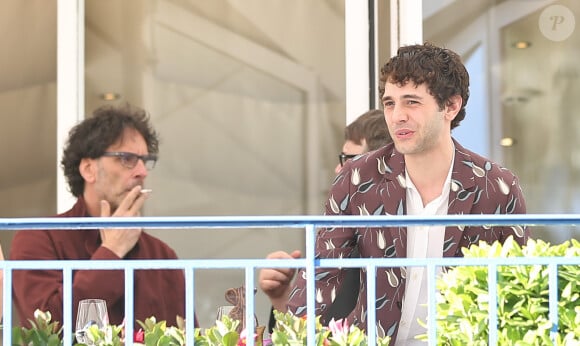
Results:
[140, 169]
[399, 114]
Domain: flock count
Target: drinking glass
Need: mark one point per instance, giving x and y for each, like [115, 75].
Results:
[90, 312]
[224, 310]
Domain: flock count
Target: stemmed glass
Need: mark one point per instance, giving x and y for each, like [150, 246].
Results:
[90, 312]
[223, 310]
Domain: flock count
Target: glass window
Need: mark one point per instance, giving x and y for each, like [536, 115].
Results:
[249, 100]
[524, 77]
[28, 107]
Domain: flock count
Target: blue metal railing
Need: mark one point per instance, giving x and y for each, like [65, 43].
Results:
[309, 224]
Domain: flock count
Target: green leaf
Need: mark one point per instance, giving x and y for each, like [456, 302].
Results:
[522, 297]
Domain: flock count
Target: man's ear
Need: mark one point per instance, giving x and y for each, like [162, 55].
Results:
[88, 169]
[453, 106]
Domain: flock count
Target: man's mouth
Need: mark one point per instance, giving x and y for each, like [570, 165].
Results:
[404, 133]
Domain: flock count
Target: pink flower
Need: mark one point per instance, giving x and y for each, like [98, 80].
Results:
[139, 336]
[339, 327]
[243, 337]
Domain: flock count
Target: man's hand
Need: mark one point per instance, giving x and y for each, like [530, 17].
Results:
[275, 282]
[121, 241]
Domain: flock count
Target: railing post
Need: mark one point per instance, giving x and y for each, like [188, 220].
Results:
[432, 308]
[129, 304]
[250, 327]
[67, 297]
[371, 303]
[7, 308]
[189, 305]
[311, 284]
[492, 303]
[553, 299]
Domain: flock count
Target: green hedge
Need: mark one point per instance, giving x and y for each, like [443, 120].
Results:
[463, 301]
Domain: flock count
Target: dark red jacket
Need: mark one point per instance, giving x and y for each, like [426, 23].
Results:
[159, 293]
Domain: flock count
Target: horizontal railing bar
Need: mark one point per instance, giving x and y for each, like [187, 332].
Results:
[281, 263]
[306, 223]
[446, 261]
[298, 221]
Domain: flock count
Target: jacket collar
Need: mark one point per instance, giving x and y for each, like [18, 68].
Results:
[92, 237]
[460, 197]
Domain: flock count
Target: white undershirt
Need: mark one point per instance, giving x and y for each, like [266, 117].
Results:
[420, 246]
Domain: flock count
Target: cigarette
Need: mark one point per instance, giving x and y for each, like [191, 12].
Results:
[146, 190]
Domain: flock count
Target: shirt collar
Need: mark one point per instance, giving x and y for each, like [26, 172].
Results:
[446, 185]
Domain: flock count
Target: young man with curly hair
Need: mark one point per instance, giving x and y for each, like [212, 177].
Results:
[425, 171]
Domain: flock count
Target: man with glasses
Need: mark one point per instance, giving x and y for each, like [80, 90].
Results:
[106, 161]
[367, 133]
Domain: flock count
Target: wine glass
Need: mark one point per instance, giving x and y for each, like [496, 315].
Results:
[224, 310]
[90, 312]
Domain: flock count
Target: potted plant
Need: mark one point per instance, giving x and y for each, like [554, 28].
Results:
[43, 331]
[292, 331]
[463, 301]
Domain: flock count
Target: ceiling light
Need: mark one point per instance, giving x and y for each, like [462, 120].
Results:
[507, 142]
[522, 44]
[110, 96]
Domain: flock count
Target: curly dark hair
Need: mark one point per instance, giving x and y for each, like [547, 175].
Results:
[370, 126]
[439, 68]
[92, 137]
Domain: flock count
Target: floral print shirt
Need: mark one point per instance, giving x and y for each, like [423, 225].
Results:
[374, 184]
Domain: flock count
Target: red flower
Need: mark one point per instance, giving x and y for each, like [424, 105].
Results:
[139, 336]
[243, 338]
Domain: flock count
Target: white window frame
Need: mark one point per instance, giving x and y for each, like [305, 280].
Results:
[70, 84]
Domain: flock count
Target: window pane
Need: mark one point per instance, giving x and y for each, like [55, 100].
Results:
[249, 100]
[28, 107]
[524, 95]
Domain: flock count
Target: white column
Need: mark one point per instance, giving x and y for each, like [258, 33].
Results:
[70, 84]
[357, 58]
[406, 23]
[376, 103]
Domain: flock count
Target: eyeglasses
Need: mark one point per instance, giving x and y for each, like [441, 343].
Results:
[342, 158]
[129, 160]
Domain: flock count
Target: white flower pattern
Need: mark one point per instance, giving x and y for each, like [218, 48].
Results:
[383, 192]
